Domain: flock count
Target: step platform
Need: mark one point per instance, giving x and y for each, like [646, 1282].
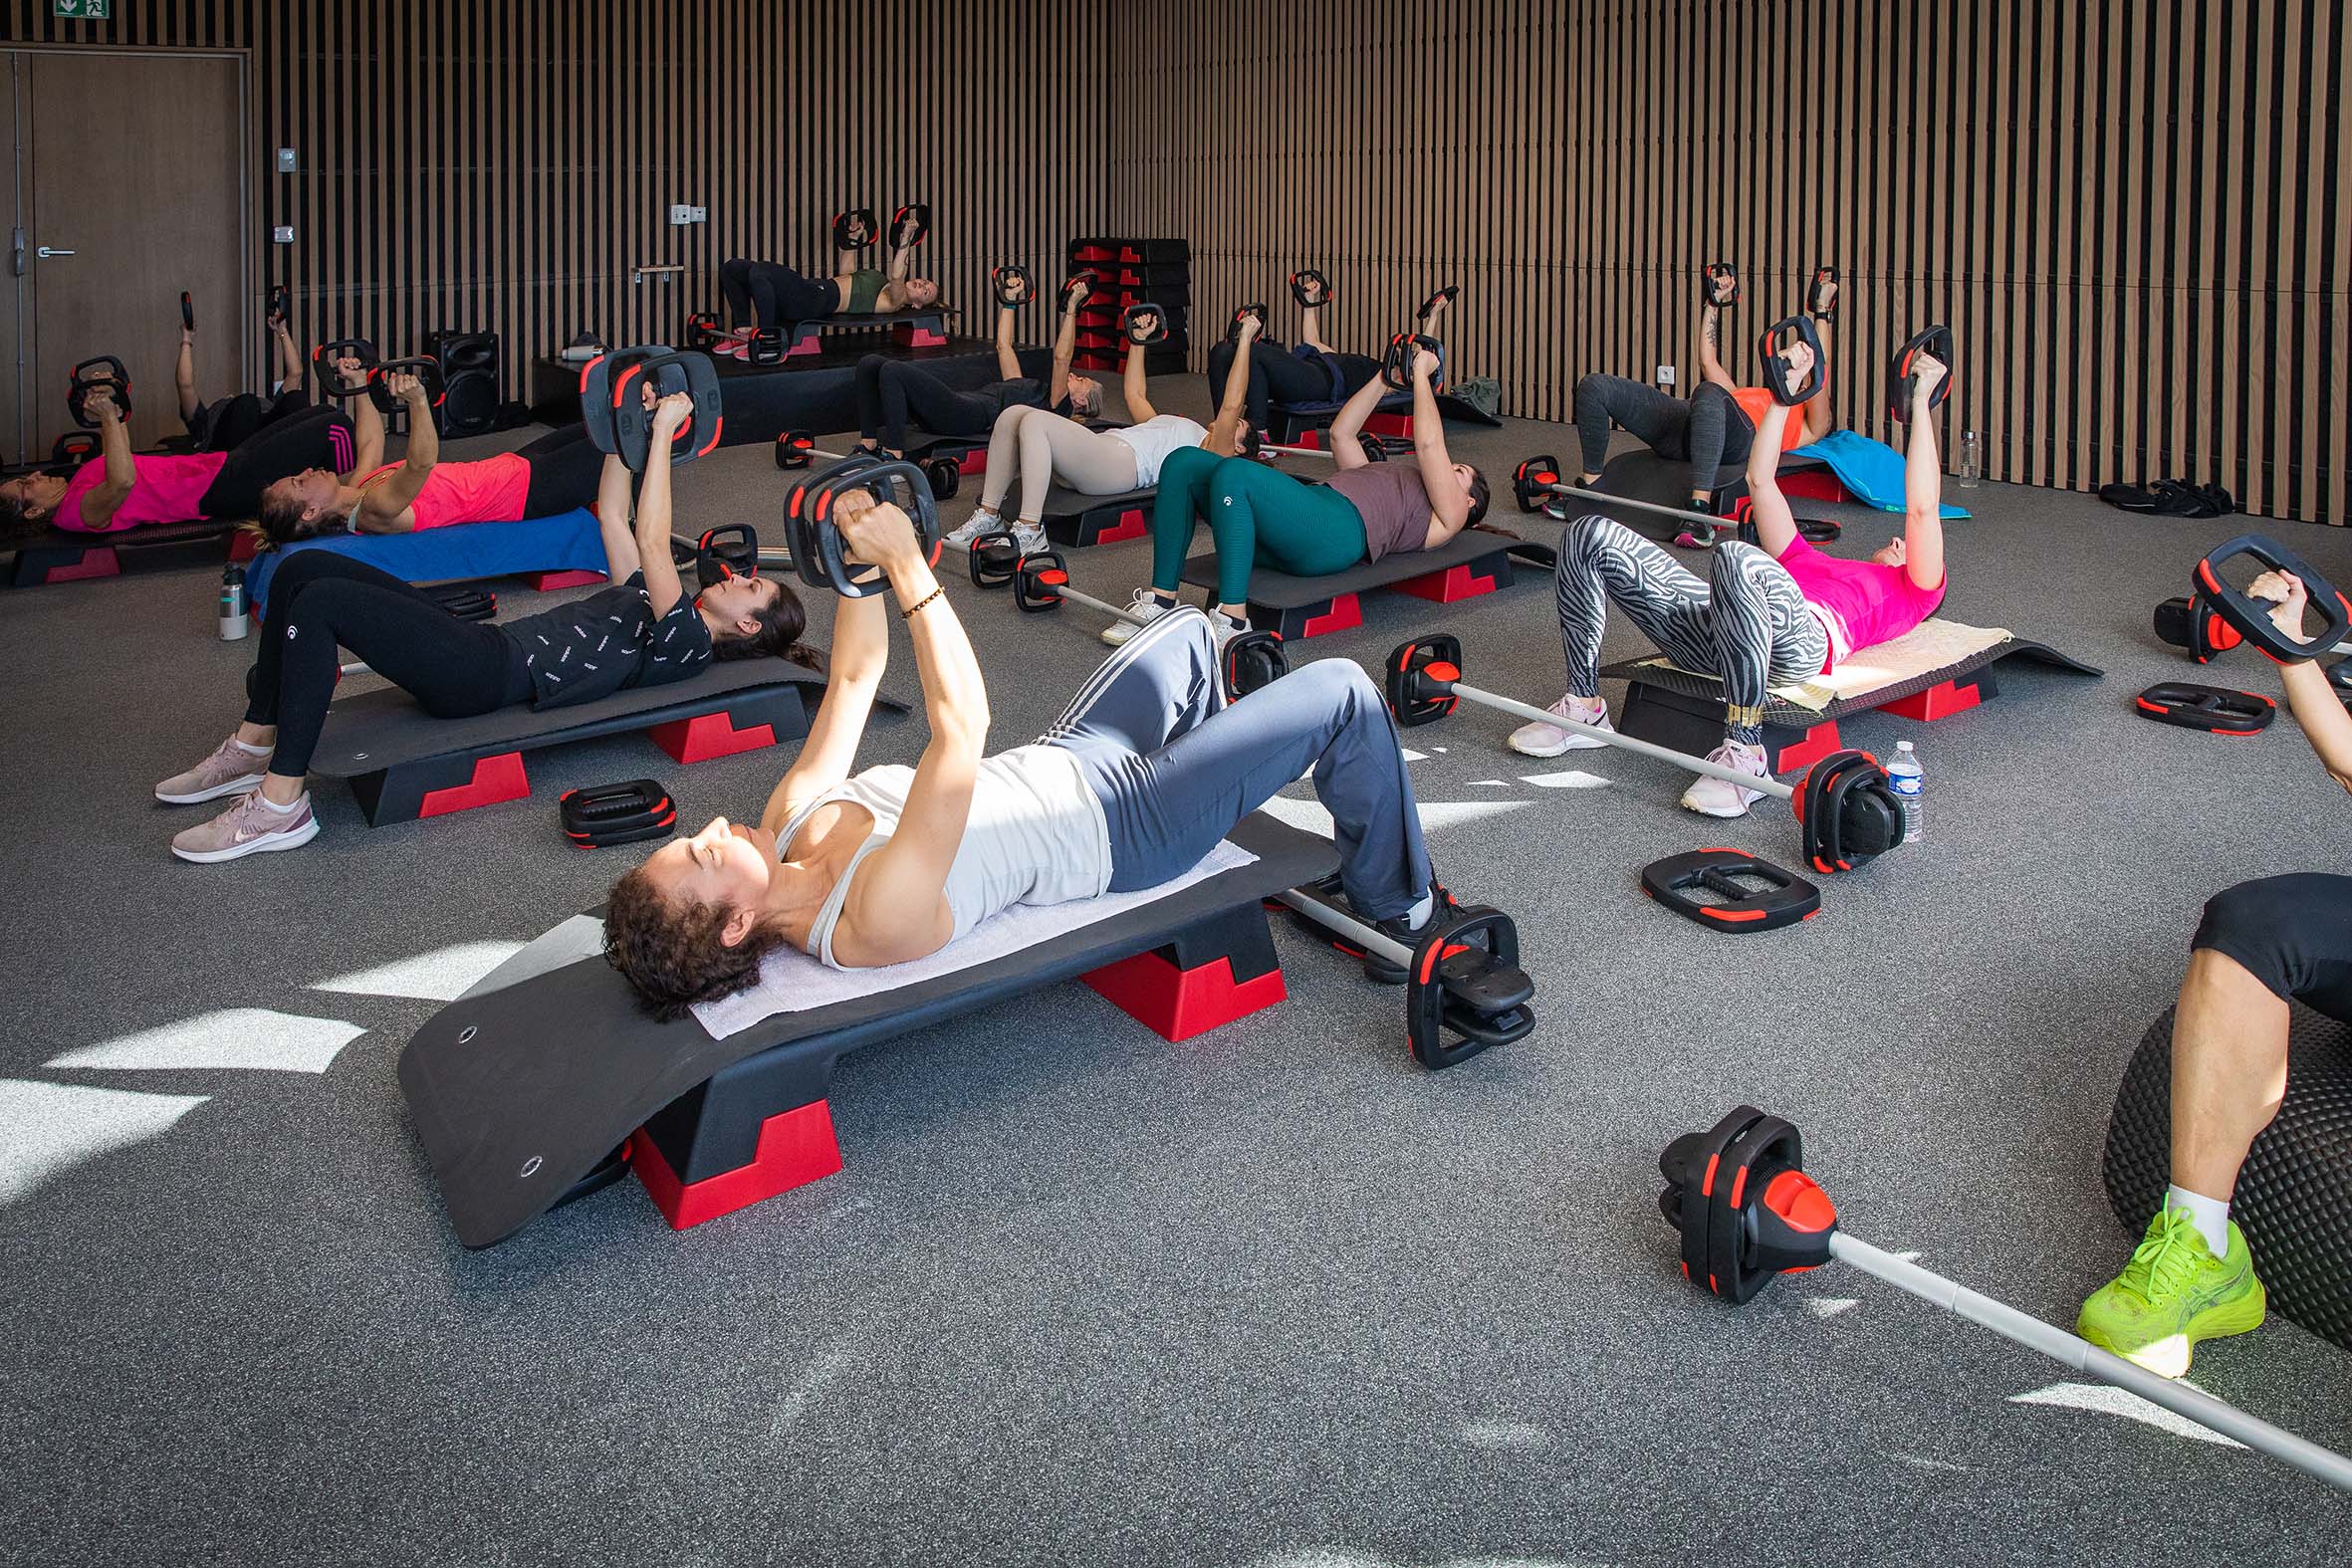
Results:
[521, 1088]
[1936, 669]
[1472, 563]
[562, 552]
[69, 556]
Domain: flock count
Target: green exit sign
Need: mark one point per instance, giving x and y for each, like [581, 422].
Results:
[85, 10]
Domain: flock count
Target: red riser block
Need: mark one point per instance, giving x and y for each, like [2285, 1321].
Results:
[243, 546]
[496, 779]
[1389, 426]
[796, 1147]
[909, 336]
[100, 560]
[549, 582]
[1936, 702]
[1132, 524]
[1447, 586]
[1179, 1004]
[974, 461]
[1345, 614]
[1813, 485]
[709, 734]
[1819, 742]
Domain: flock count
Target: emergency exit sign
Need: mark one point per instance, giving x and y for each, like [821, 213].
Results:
[85, 10]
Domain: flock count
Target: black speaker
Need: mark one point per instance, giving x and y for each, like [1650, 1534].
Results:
[469, 379]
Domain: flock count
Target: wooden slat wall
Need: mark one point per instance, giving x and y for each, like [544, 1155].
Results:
[2126, 210]
[505, 163]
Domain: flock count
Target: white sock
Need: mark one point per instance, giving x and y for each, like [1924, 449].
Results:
[1418, 915]
[274, 806]
[251, 751]
[2211, 1214]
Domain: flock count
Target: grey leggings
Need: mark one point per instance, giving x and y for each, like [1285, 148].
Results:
[1708, 431]
[1040, 446]
[1752, 628]
[1176, 766]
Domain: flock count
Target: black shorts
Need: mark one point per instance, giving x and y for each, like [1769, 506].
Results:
[226, 423]
[2292, 933]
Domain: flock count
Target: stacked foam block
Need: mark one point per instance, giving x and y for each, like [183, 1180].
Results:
[1135, 271]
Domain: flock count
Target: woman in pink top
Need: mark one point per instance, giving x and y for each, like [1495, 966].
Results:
[119, 490]
[1781, 612]
[553, 475]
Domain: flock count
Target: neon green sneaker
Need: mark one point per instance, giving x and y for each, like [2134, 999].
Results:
[2173, 1293]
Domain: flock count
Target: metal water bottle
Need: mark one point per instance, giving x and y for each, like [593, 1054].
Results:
[234, 622]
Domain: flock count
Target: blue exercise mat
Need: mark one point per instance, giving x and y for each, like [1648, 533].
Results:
[462, 553]
[1871, 471]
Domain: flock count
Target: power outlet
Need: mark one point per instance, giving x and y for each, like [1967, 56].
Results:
[283, 234]
[1666, 375]
[681, 214]
[286, 162]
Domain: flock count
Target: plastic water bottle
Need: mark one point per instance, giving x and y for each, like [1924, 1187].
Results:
[1972, 459]
[1909, 784]
[234, 622]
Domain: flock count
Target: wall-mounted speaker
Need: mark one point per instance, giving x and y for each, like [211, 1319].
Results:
[469, 376]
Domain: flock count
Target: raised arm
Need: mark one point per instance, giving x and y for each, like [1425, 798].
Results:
[381, 509]
[366, 423]
[654, 507]
[1066, 346]
[1226, 427]
[853, 673]
[1923, 481]
[1008, 357]
[613, 506]
[1768, 509]
[896, 908]
[1449, 503]
[100, 504]
[2327, 726]
[1347, 425]
[1820, 417]
[1710, 332]
[1136, 388]
[1311, 319]
[903, 254]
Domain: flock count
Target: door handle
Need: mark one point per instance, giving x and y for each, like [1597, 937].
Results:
[45, 253]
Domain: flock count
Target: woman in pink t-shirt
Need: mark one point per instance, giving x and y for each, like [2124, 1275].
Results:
[553, 475]
[1781, 612]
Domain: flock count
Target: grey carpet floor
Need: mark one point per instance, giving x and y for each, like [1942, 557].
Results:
[1273, 1296]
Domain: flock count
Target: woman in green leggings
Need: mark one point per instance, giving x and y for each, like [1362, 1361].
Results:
[1366, 510]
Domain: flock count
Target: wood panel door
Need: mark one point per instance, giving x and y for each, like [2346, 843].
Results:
[131, 175]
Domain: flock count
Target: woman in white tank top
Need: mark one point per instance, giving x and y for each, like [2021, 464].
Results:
[1041, 448]
[1146, 770]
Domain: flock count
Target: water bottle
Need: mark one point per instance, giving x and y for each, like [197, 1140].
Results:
[233, 620]
[1972, 459]
[1909, 784]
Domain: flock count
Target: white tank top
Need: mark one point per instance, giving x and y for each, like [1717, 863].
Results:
[1035, 835]
[1154, 439]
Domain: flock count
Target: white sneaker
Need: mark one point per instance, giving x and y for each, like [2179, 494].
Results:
[1226, 628]
[1720, 797]
[1028, 538]
[1549, 740]
[978, 523]
[1146, 604]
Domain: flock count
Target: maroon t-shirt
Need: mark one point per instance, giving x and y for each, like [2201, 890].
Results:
[1391, 500]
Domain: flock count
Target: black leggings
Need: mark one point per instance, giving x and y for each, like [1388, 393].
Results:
[2292, 933]
[320, 437]
[319, 600]
[565, 468]
[229, 422]
[1278, 376]
[768, 294]
[1708, 431]
[892, 392]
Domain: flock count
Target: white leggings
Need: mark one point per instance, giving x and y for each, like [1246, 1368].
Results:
[1046, 447]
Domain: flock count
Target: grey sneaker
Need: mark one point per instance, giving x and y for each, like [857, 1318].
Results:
[250, 827]
[230, 770]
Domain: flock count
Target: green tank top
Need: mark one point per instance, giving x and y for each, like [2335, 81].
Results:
[865, 287]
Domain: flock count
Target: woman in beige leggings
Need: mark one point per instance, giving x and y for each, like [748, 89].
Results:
[1040, 447]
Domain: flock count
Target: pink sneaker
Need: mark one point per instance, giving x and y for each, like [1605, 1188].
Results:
[250, 827]
[230, 770]
[1714, 796]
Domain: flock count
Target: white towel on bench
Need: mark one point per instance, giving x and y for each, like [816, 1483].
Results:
[792, 981]
[1931, 645]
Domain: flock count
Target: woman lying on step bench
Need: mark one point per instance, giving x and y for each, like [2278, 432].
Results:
[770, 294]
[894, 393]
[1042, 449]
[1142, 774]
[1782, 612]
[1314, 371]
[644, 631]
[553, 475]
[1255, 513]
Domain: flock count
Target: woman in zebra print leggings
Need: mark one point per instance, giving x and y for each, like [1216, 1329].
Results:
[1781, 612]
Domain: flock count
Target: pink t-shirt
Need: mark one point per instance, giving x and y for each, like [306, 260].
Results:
[491, 490]
[1861, 603]
[166, 489]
